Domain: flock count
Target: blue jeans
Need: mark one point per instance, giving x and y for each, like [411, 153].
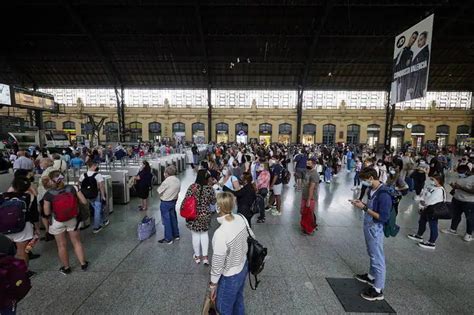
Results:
[356, 179]
[349, 164]
[230, 293]
[373, 233]
[433, 228]
[328, 174]
[169, 219]
[195, 159]
[99, 216]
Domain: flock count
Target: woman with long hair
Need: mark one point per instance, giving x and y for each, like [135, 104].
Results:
[229, 261]
[58, 228]
[246, 195]
[199, 227]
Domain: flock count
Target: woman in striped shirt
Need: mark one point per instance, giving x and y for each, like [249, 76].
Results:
[229, 261]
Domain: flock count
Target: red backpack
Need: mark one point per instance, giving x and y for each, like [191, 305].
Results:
[14, 283]
[64, 206]
[189, 206]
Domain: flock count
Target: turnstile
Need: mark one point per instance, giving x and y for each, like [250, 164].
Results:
[120, 190]
[109, 194]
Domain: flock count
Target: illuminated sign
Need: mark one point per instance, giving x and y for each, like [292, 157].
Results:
[5, 97]
[34, 100]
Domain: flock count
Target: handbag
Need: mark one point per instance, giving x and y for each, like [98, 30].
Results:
[146, 228]
[189, 206]
[208, 307]
[441, 210]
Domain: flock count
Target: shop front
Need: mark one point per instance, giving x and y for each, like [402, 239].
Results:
[242, 133]
[329, 134]
[265, 133]
[154, 132]
[222, 133]
[284, 133]
[398, 134]
[417, 136]
[309, 134]
[69, 127]
[373, 135]
[462, 134]
[198, 133]
[442, 135]
[179, 132]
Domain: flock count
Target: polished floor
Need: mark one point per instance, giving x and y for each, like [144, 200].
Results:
[131, 277]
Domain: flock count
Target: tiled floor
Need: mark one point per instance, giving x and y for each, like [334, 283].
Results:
[131, 277]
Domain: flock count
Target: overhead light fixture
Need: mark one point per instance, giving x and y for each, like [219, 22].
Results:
[248, 60]
[330, 74]
[238, 59]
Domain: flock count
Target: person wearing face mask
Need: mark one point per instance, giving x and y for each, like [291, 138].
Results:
[169, 192]
[276, 183]
[236, 170]
[229, 261]
[263, 186]
[382, 170]
[463, 202]
[358, 168]
[93, 188]
[228, 181]
[309, 196]
[419, 178]
[376, 214]
[367, 163]
[434, 193]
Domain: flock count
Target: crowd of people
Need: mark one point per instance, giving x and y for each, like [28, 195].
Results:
[235, 183]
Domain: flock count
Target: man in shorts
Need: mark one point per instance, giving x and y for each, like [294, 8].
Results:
[300, 167]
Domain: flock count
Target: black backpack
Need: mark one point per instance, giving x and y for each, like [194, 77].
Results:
[255, 257]
[89, 186]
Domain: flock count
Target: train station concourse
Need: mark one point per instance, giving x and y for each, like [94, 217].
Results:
[236, 157]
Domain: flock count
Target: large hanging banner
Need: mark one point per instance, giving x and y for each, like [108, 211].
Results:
[411, 62]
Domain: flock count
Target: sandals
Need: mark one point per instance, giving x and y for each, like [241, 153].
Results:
[205, 261]
[197, 260]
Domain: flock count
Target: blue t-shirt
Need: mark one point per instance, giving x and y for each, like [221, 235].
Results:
[381, 202]
[301, 160]
[77, 162]
[276, 171]
[349, 155]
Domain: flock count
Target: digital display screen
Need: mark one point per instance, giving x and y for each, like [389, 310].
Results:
[5, 97]
[34, 100]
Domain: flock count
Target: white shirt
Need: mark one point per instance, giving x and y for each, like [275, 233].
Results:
[433, 195]
[239, 157]
[230, 247]
[99, 178]
[231, 161]
[169, 188]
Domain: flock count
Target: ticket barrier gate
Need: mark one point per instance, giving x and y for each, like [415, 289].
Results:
[109, 194]
[120, 190]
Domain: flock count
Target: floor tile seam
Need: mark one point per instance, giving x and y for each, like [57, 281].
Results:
[105, 279]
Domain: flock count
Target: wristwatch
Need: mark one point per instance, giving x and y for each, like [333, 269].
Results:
[365, 208]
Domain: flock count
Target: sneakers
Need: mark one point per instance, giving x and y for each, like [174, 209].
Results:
[85, 266]
[32, 256]
[415, 237]
[95, 231]
[364, 279]
[354, 188]
[260, 220]
[467, 238]
[427, 245]
[372, 295]
[30, 274]
[449, 231]
[105, 223]
[177, 238]
[276, 212]
[65, 271]
[165, 241]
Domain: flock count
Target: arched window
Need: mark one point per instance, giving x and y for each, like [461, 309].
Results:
[353, 134]
[179, 127]
[154, 131]
[265, 129]
[418, 130]
[463, 130]
[329, 134]
[87, 129]
[135, 131]
[197, 127]
[442, 135]
[222, 128]
[442, 130]
[69, 125]
[373, 135]
[309, 129]
[49, 125]
[111, 129]
[284, 129]
[241, 128]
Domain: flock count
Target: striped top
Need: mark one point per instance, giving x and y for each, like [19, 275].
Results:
[230, 248]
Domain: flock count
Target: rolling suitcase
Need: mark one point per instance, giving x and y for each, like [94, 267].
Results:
[308, 218]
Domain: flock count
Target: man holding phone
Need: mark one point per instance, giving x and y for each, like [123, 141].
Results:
[376, 214]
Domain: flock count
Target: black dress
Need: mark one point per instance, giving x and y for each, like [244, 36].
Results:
[144, 183]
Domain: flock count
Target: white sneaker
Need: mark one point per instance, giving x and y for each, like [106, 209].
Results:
[354, 188]
[276, 213]
[467, 237]
[449, 231]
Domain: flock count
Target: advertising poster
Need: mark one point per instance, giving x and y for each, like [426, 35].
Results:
[5, 98]
[411, 61]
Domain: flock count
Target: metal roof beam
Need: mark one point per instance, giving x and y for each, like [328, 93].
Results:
[78, 21]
